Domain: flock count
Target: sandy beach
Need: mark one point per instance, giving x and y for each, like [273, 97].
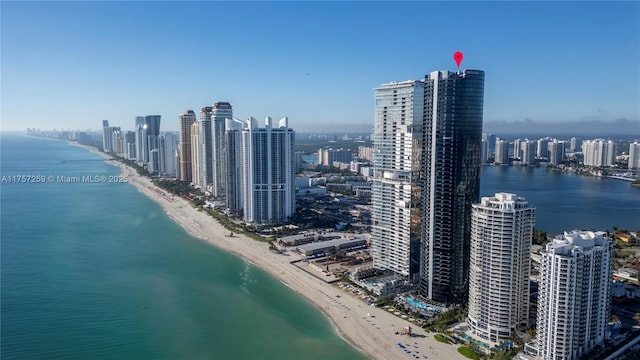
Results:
[373, 335]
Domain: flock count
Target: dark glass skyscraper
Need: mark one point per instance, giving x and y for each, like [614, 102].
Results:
[206, 147]
[452, 128]
[220, 112]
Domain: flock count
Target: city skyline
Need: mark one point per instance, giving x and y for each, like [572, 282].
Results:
[295, 55]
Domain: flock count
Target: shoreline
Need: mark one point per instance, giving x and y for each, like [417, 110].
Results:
[373, 336]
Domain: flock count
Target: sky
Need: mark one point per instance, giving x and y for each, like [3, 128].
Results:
[69, 65]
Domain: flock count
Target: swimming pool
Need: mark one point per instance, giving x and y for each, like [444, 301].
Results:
[418, 304]
[477, 342]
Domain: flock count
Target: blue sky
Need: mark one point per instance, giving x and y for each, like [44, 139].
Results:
[72, 64]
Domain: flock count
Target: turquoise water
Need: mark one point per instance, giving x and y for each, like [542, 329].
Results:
[98, 271]
[418, 304]
[477, 342]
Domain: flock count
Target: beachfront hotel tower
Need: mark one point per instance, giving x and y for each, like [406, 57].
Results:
[184, 153]
[501, 233]
[268, 172]
[396, 190]
[452, 127]
[574, 302]
[219, 113]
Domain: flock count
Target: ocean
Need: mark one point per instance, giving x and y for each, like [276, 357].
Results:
[98, 271]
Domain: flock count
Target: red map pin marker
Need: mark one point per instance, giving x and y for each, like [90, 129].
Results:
[457, 56]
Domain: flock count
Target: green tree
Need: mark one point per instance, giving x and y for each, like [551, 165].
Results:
[539, 237]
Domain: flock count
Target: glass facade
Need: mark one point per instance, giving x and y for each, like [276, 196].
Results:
[396, 190]
[452, 128]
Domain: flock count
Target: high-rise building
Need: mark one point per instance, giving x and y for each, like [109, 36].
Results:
[206, 148]
[365, 152]
[484, 153]
[152, 127]
[154, 161]
[452, 128]
[501, 233]
[426, 161]
[396, 192]
[233, 161]
[142, 155]
[167, 147]
[556, 152]
[130, 145]
[543, 148]
[268, 172]
[574, 302]
[106, 136]
[599, 152]
[220, 112]
[329, 156]
[491, 141]
[576, 144]
[502, 152]
[634, 155]
[528, 152]
[153, 124]
[186, 120]
[196, 151]
[517, 148]
[116, 140]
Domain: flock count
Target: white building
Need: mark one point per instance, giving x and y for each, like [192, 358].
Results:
[599, 152]
[517, 148]
[142, 157]
[634, 155]
[543, 147]
[502, 152]
[574, 302]
[501, 232]
[556, 152]
[528, 152]
[397, 145]
[268, 172]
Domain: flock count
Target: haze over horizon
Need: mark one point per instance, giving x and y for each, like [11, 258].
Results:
[73, 64]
